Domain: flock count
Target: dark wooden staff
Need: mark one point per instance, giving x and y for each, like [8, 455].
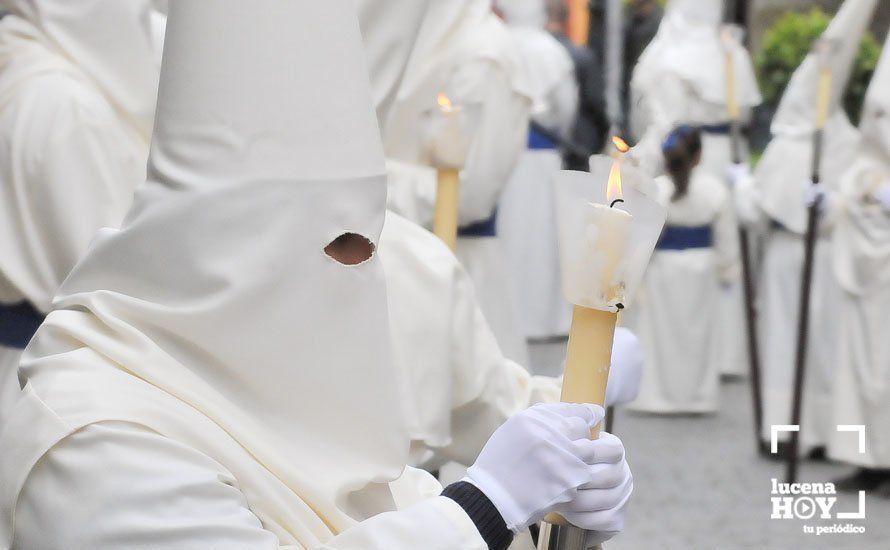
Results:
[823, 50]
[730, 37]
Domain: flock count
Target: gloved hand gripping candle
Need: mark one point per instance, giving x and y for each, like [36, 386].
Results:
[447, 136]
[607, 233]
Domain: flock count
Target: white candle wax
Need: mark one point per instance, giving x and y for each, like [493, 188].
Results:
[595, 277]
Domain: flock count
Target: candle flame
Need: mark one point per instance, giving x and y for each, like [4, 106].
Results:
[444, 101]
[614, 191]
[620, 144]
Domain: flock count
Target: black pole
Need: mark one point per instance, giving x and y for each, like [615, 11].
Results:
[803, 322]
[610, 419]
[750, 311]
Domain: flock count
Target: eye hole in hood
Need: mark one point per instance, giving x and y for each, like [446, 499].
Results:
[350, 249]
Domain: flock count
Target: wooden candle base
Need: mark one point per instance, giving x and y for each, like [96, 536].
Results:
[447, 196]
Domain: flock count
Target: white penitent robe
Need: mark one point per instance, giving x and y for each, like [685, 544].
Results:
[285, 428]
[73, 147]
[458, 385]
[862, 265]
[682, 79]
[674, 102]
[9, 362]
[527, 213]
[677, 314]
[184, 490]
[466, 52]
[779, 304]
[779, 177]
[69, 166]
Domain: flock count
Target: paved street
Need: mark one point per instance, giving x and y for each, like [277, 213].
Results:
[700, 486]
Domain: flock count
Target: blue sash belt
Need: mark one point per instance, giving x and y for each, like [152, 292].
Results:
[18, 323]
[721, 129]
[538, 141]
[484, 228]
[676, 237]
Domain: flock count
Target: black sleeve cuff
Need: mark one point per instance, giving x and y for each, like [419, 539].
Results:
[485, 516]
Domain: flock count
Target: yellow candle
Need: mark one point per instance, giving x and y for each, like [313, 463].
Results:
[589, 357]
[447, 197]
[729, 38]
[448, 144]
[824, 105]
[731, 96]
[588, 360]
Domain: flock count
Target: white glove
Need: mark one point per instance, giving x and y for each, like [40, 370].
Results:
[542, 460]
[813, 192]
[737, 174]
[882, 195]
[747, 201]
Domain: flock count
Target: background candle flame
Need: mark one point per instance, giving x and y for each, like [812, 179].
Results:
[620, 144]
[444, 101]
[614, 191]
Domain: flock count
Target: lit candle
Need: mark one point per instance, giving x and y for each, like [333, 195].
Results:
[448, 145]
[605, 247]
[595, 285]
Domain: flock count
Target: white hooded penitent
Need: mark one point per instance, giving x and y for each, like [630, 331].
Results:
[63, 66]
[781, 177]
[110, 41]
[526, 217]
[465, 52]
[681, 79]
[215, 316]
[778, 180]
[862, 266]
[77, 94]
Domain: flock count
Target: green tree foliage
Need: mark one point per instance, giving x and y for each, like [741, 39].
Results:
[786, 44]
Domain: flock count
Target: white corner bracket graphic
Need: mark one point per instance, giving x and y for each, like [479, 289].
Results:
[855, 515]
[860, 428]
[774, 432]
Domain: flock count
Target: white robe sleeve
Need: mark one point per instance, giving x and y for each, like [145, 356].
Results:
[487, 387]
[120, 486]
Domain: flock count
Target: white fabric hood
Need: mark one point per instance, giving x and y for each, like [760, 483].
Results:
[779, 179]
[697, 12]
[390, 29]
[689, 45]
[450, 26]
[82, 31]
[875, 123]
[797, 110]
[217, 289]
[862, 239]
[524, 13]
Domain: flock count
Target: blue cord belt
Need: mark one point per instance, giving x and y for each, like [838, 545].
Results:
[677, 237]
[18, 323]
[721, 129]
[538, 141]
[484, 228]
